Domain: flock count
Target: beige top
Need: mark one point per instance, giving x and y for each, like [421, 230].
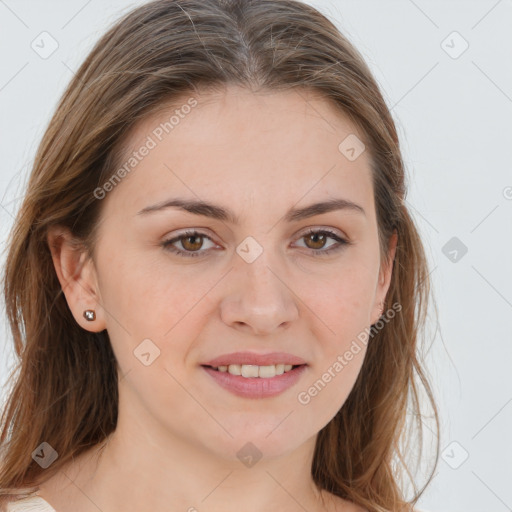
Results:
[30, 504]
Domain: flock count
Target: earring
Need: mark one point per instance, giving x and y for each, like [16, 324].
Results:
[381, 309]
[90, 315]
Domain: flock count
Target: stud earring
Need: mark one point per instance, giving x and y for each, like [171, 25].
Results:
[381, 309]
[90, 315]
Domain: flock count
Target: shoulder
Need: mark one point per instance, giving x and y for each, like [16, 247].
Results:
[29, 504]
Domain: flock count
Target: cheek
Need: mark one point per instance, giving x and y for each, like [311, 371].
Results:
[163, 392]
[341, 337]
[340, 298]
[329, 388]
[342, 308]
[148, 295]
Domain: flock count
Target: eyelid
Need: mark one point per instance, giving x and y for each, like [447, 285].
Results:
[341, 240]
[315, 228]
[189, 232]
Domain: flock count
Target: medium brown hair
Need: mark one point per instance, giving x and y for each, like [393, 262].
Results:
[64, 387]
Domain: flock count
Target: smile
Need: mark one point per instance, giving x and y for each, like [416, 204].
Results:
[253, 371]
[251, 381]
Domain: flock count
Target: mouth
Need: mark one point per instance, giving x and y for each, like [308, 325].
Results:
[251, 371]
[252, 381]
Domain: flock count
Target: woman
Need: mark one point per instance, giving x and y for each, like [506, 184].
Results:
[214, 286]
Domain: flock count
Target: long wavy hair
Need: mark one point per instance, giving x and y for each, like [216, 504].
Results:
[63, 388]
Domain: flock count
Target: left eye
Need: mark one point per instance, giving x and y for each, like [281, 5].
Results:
[191, 241]
[320, 236]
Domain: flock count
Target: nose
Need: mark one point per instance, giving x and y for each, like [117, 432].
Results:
[260, 300]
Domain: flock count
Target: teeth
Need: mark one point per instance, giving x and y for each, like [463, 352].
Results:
[235, 369]
[251, 370]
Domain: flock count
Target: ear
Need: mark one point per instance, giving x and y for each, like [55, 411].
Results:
[77, 276]
[384, 279]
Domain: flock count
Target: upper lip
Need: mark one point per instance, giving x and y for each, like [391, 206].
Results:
[255, 359]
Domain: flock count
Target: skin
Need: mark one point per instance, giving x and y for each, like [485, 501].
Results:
[178, 432]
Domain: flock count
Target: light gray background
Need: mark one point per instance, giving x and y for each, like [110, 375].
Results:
[454, 120]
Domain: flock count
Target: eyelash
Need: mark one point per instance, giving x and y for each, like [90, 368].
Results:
[167, 244]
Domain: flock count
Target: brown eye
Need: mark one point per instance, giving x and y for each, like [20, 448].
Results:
[191, 242]
[317, 240]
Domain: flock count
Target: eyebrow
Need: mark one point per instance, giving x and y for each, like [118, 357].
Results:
[206, 209]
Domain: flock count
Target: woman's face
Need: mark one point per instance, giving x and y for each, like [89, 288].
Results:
[251, 280]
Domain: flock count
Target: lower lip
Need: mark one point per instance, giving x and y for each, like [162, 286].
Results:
[256, 387]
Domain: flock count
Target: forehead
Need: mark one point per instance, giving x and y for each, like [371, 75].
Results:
[240, 146]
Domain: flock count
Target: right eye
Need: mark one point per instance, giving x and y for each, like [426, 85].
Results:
[191, 241]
